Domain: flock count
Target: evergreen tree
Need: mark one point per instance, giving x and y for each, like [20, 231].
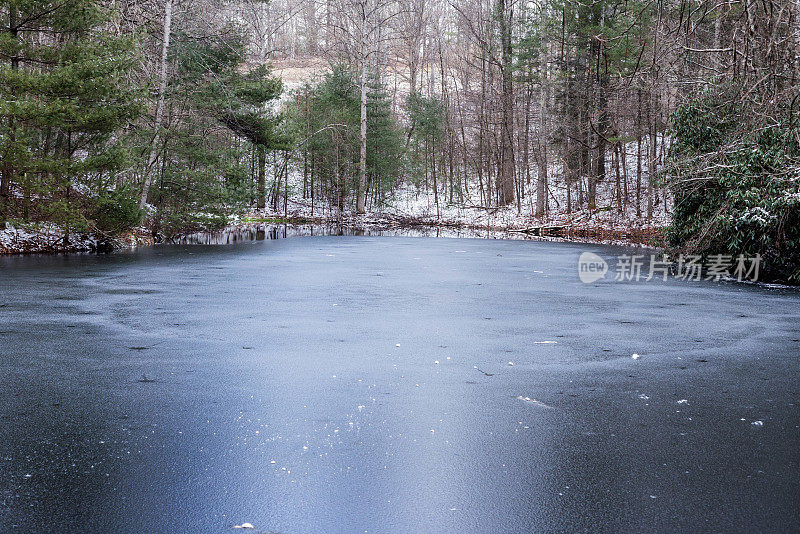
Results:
[384, 142]
[426, 134]
[64, 95]
[244, 105]
[217, 114]
[326, 117]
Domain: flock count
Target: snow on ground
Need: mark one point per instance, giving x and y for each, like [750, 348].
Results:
[294, 73]
[412, 205]
[48, 237]
[40, 237]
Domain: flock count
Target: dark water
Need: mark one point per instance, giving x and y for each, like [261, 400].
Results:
[194, 388]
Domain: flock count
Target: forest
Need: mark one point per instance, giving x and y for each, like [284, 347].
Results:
[398, 266]
[168, 116]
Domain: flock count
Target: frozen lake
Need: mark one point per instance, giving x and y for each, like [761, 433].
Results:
[294, 385]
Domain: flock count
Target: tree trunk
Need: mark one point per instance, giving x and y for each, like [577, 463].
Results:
[652, 169]
[796, 28]
[618, 186]
[261, 188]
[162, 89]
[362, 163]
[285, 172]
[541, 177]
[639, 156]
[507, 171]
[623, 155]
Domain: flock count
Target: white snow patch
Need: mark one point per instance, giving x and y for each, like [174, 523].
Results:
[528, 400]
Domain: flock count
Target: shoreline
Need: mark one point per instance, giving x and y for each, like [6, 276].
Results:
[274, 227]
[48, 240]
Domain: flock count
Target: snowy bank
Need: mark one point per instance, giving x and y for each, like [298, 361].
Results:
[45, 238]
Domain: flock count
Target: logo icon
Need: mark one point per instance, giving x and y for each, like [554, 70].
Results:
[591, 267]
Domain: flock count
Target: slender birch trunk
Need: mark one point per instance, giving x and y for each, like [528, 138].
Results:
[362, 163]
[162, 89]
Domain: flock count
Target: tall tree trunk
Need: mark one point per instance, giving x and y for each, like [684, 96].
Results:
[541, 177]
[285, 172]
[623, 156]
[362, 162]
[312, 28]
[602, 128]
[796, 27]
[618, 184]
[361, 191]
[330, 26]
[639, 154]
[261, 188]
[507, 171]
[653, 161]
[484, 194]
[162, 89]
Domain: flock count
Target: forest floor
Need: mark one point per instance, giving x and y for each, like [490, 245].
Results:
[412, 209]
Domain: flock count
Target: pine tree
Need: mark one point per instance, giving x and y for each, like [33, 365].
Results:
[244, 107]
[326, 118]
[216, 115]
[64, 95]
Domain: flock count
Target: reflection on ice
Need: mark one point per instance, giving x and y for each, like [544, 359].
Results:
[271, 231]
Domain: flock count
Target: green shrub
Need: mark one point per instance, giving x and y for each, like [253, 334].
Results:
[116, 211]
[736, 184]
